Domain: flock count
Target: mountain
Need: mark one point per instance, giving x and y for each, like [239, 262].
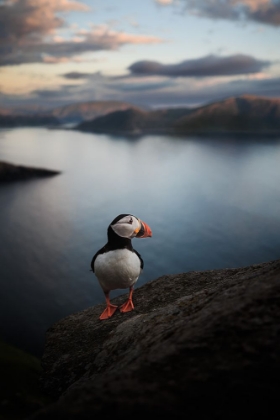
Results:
[5, 111]
[244, 113]
[26, 110]
[238, 114]
[88, 110]
[13, 120]
[135, 121]
[72, 113]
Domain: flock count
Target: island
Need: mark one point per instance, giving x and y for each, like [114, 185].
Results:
[10, 172]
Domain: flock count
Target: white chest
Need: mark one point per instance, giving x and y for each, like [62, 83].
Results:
[118, 269]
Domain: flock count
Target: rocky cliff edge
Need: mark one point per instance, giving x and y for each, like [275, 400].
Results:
[198, 345]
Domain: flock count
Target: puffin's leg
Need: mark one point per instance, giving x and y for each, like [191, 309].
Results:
[110, 309]
[128, 305]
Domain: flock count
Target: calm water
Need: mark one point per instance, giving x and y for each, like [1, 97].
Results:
[211, 203]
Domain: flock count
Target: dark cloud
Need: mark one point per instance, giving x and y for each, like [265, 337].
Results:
[75, 75]
[26, 21]
[46, 94]
[262, 87]
[181, 92]
[186, 95]
[269, 15]
[134, 87]
[28, 28]
[65, 51]
[262, 11]
[210, 65]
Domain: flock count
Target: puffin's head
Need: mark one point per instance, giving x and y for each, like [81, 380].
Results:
[129, 226]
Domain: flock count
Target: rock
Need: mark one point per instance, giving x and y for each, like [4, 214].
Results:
[9, 172]
[198, 345]
[20, 393]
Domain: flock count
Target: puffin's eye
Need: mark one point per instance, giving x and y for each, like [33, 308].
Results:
[130, 221]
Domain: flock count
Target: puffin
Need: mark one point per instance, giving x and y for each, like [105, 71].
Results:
[117, 265]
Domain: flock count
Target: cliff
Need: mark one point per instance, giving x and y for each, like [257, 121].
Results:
[198, 345]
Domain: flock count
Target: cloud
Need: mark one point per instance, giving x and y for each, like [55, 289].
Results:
[75, 75]
[181, 92]
[26, 21]
[164, 2]
[103, 38]
[263, 87]
[262, 11]
[187, 93]
[137, 86]
[28, 33]
[210, 65]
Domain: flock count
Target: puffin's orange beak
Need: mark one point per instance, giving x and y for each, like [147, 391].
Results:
[145, 230]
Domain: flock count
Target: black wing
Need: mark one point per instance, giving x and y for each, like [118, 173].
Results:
[140, 258]
[101, 251]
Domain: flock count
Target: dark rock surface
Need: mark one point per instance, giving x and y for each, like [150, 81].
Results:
[9, 172]
[198, 345]
[20, 394]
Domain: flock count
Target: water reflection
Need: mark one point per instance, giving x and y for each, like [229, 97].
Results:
[211, 203]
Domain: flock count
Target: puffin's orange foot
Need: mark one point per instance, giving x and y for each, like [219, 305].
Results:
[127, 306]
[108, 312]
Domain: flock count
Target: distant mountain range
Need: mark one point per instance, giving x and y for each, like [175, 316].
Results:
[135, 121]
[241, 114]
[245, 113]
[75, 113]
[10, 120]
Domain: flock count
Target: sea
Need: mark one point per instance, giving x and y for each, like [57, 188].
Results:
[212, 202]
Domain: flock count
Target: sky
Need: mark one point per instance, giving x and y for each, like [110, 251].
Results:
[150, 53]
